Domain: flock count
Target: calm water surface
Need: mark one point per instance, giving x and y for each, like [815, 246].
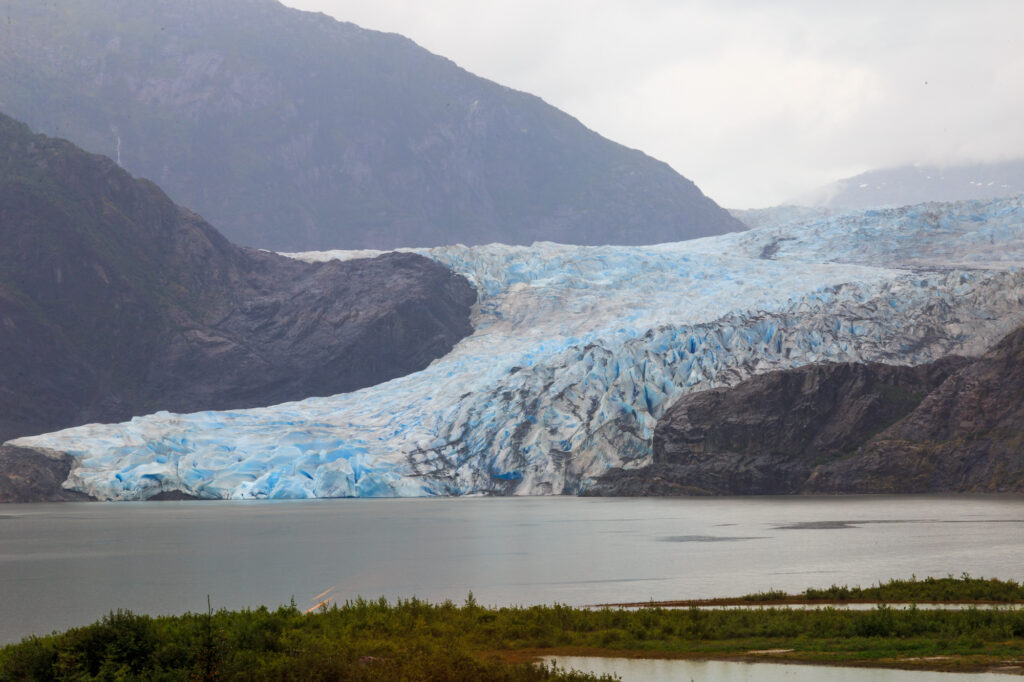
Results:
[68, 564]
[721, 671]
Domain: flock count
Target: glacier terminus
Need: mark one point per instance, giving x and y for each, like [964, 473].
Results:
[578, 350]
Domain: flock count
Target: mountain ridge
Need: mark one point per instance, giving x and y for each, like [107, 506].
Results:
[920, 183]
[292, 131]
[114, 302]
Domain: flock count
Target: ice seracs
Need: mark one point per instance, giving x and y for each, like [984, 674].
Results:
[578, 351]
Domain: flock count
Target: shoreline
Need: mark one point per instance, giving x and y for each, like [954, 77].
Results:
[726, 602]
[411, 638]
[781, 656]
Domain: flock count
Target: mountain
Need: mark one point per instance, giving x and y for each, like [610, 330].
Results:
[115, 302]
[292, 131]
[578, 352]
[907, 185]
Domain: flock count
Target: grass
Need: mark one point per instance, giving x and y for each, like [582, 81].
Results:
[950, 590]
[416, 640]
[964, 589]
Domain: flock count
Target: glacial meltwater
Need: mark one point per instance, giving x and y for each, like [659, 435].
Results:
[68, 564]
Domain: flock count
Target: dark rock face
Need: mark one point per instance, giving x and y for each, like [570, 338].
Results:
[966, 436]
[767, 435]
[291, 131]
[115, 302]
[30, 476]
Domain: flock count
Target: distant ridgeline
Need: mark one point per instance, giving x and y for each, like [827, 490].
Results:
[908, 185]
[580, 355]
[291, 131]
[114, 302]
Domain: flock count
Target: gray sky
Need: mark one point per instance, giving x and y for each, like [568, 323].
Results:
[756, 102]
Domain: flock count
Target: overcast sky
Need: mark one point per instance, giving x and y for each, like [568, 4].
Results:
[756, 102]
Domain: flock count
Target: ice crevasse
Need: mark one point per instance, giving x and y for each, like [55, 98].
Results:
[577, 351]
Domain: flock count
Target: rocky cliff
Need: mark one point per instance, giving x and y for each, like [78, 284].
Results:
[115, 302]
[32, 476]
[954, 425]
[292, 131]
[965, 436]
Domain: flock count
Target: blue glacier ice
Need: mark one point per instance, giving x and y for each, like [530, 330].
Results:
[579, 350]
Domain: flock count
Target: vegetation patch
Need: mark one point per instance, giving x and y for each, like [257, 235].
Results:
[416, 640]
[948, 590]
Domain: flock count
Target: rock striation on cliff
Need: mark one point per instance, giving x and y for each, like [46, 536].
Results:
[766, 435]
[115, 302]
[33, 476]
[965, 436]
[954, 425]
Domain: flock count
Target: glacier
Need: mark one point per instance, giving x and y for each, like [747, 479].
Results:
[577, 351]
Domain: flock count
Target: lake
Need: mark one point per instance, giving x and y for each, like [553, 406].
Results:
[68, 564]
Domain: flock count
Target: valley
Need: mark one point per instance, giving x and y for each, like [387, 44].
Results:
[577, 352]
[365, 335]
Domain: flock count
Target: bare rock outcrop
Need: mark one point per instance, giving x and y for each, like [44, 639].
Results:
[954, 425]
[966, 436]
[115, 302]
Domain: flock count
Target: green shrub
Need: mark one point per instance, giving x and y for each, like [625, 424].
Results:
[415, 640]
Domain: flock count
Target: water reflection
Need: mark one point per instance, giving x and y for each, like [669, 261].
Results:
[638, 670]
